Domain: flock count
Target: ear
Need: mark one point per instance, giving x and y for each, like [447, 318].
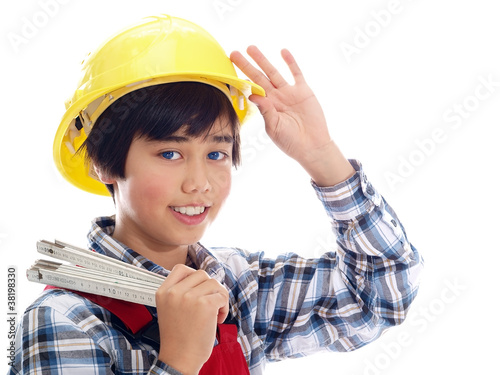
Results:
[103, 177]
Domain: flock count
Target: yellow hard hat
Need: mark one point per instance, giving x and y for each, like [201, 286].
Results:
[156, 50]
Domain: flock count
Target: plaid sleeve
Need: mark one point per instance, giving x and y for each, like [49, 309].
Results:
[342, 300]
[375, 258]
[64, 334]
[50, 343]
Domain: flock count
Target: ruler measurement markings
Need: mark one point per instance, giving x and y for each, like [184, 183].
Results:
[96, 261]
[128, 293]
[78, 271]
[94, 273]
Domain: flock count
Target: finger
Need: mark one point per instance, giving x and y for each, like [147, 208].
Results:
[179, 272]
[293, 66]
[181, 279]
[265, 107]
[223, 313]
[192, 281]
[272, 73]
[214, 292]
[250, 71]
[220, 302]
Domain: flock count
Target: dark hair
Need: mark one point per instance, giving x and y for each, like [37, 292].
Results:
[156, 112]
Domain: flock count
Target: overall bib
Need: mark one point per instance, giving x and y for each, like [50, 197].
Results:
[226, 359]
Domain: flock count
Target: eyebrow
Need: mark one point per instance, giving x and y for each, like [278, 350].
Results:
[212, 138]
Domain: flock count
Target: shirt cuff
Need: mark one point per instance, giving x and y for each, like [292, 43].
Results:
[351, 198]
[161, 368]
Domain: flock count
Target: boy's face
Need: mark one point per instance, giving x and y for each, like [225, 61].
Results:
[173, 189]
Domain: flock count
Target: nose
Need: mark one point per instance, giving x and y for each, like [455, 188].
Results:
[196, 179]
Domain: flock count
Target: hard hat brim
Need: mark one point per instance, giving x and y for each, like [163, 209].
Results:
[71, 164]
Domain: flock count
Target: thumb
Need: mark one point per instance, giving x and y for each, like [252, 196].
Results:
[265, 107]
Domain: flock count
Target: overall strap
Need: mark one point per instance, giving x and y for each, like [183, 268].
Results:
[227, 357]
[134, 316]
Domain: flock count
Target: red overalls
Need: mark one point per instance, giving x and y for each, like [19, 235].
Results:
[226, 359]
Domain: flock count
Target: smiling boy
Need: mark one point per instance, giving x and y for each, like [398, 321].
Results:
[166, 159]
[174, 180]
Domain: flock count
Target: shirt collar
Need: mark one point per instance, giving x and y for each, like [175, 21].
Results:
[101, 240]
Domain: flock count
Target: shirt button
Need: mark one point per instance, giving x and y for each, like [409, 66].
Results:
[370, 190]
[394, 222]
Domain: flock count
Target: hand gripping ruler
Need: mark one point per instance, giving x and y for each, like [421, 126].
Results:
[94, 273]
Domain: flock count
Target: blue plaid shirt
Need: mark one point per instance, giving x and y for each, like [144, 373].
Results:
[284, 307]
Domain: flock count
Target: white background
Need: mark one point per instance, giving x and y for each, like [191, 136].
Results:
[407, 76]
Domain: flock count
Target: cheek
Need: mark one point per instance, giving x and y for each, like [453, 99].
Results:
[221, 180]
[147, 193]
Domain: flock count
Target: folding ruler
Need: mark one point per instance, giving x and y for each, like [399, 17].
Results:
[94, 273]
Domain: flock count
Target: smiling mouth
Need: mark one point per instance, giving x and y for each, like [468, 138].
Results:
[190, 210]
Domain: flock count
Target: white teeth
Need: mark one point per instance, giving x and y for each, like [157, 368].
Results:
[190, 210]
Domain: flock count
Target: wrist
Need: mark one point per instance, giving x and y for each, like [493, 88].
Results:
[326, 165]
[185, 366]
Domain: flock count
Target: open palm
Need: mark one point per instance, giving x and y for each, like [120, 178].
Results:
[293, 116]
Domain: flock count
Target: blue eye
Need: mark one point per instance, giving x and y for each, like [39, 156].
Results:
[216, 155]
[170, 155]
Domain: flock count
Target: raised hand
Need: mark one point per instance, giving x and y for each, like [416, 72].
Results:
[294, 118]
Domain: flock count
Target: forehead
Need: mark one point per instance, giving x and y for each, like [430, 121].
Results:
[221, 130]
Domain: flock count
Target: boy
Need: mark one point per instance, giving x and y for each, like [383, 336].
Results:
[158, 125]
